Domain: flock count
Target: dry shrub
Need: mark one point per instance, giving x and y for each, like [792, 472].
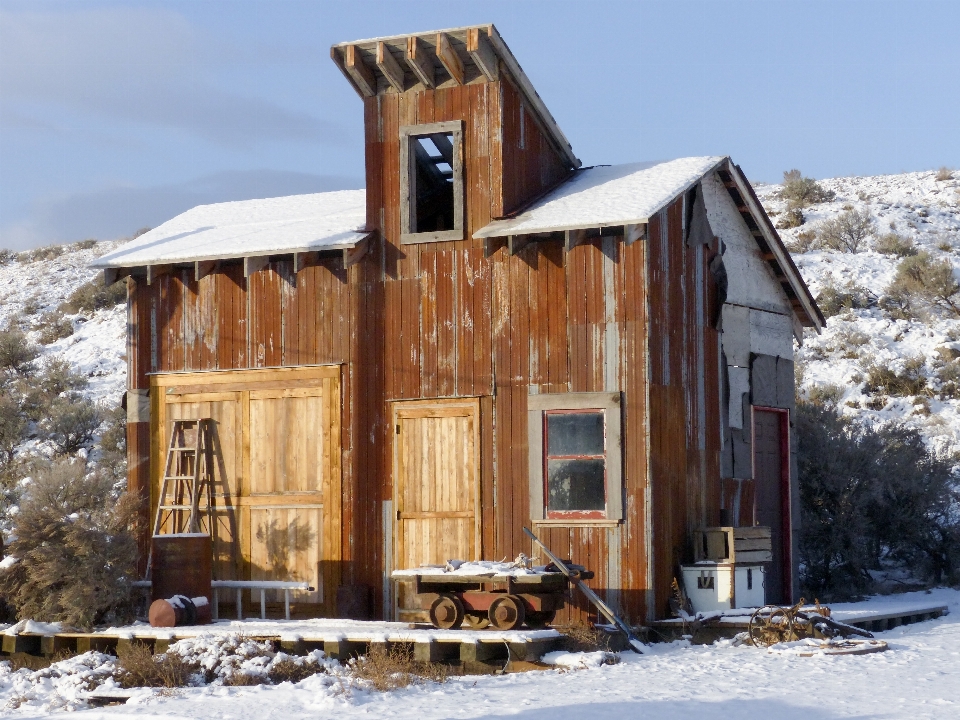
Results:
[931, 281]
[393, 667]
[804, 241]
[17, 354]
[792, 218]
[834, 299]
[848, 232]
[909, 381]
[894, 244]
[584, 637]
[944, 174]
[800, 191]
[76, 552]
[54, 326]
[94, 295]
[19, 661]
[71, 422]
[242, 679]
[289, 670]
[139, 667]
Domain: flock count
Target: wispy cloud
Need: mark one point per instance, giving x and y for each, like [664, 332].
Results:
[143, 65]
[114, 212]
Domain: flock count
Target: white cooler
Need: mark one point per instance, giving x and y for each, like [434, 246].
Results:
[718, 586]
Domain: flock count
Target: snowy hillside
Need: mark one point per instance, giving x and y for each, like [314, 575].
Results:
[915, 207]
[34, 285]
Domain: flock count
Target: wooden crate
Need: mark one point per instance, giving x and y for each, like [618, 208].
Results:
[734, 544]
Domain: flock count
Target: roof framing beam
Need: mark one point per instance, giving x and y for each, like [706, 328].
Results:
[362, 76]
[482, 54]
[482, 47]
[418, 61]
[449, 58]
[388, 65]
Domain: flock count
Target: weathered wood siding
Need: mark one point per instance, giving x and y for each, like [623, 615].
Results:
[684, 397]
[466, 319]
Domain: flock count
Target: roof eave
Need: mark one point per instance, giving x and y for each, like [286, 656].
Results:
[814, 317]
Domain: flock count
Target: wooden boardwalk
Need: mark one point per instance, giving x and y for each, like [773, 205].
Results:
[474, 651]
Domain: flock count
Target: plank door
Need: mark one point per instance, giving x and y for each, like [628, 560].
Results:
[224, 409]
[436, 489]
[771, 472]
[294, 441]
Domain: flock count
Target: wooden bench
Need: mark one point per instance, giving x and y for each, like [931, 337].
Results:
[240, 586]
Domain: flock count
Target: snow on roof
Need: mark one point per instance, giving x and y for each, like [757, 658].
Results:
[297, 223]
[606, 196]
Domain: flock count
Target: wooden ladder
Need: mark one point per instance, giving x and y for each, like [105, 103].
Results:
[186, 479]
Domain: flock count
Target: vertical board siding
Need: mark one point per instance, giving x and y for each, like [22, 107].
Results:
[684, 398]
[466, 319]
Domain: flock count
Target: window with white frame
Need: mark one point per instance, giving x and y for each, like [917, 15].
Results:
[431, 182]
[575, 462]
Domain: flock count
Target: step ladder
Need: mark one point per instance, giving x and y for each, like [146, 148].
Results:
[186, 480]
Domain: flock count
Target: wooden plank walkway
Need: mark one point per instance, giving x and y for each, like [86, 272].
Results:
[474, 651]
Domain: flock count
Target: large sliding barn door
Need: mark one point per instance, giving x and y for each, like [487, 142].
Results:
[276, 448]
[436, 484]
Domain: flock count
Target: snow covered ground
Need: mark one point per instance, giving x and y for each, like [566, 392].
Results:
[918, 677]
[97, 347]
[919, 207]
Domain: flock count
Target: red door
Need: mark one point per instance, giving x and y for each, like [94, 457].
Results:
[771, 473]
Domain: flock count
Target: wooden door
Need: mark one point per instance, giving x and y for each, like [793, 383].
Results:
[436, 490]
[277, 471]
[294, 458]
[771, 472]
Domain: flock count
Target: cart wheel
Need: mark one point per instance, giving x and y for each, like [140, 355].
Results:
[446, 612]
[476, 621]
[507, 612]
[540, 619]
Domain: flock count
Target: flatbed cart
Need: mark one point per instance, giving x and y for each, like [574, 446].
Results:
[505, 601]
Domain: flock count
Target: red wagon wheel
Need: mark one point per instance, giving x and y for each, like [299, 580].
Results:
[446, 612]
[507, 612]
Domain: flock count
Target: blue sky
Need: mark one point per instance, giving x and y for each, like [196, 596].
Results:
[119, 115]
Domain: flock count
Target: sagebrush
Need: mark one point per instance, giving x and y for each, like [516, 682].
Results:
[871, 496]
[74, 545]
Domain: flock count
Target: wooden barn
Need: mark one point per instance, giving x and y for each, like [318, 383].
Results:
[489, 336]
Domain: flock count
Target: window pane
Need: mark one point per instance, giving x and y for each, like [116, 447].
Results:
[575, 433]
[575, 485]
[434, 204]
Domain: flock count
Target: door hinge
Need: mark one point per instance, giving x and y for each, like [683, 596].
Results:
[398, 428]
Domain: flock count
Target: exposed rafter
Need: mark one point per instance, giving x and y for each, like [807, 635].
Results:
[449, 58]
[362, 76]
[444, 58]
[482, 54]
[419, 62]
[389, 66]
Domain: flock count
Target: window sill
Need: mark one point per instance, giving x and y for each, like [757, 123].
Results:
[573, 522]
[439, 236]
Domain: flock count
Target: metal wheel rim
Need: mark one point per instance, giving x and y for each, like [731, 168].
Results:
[446, 612]
[512, 608]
